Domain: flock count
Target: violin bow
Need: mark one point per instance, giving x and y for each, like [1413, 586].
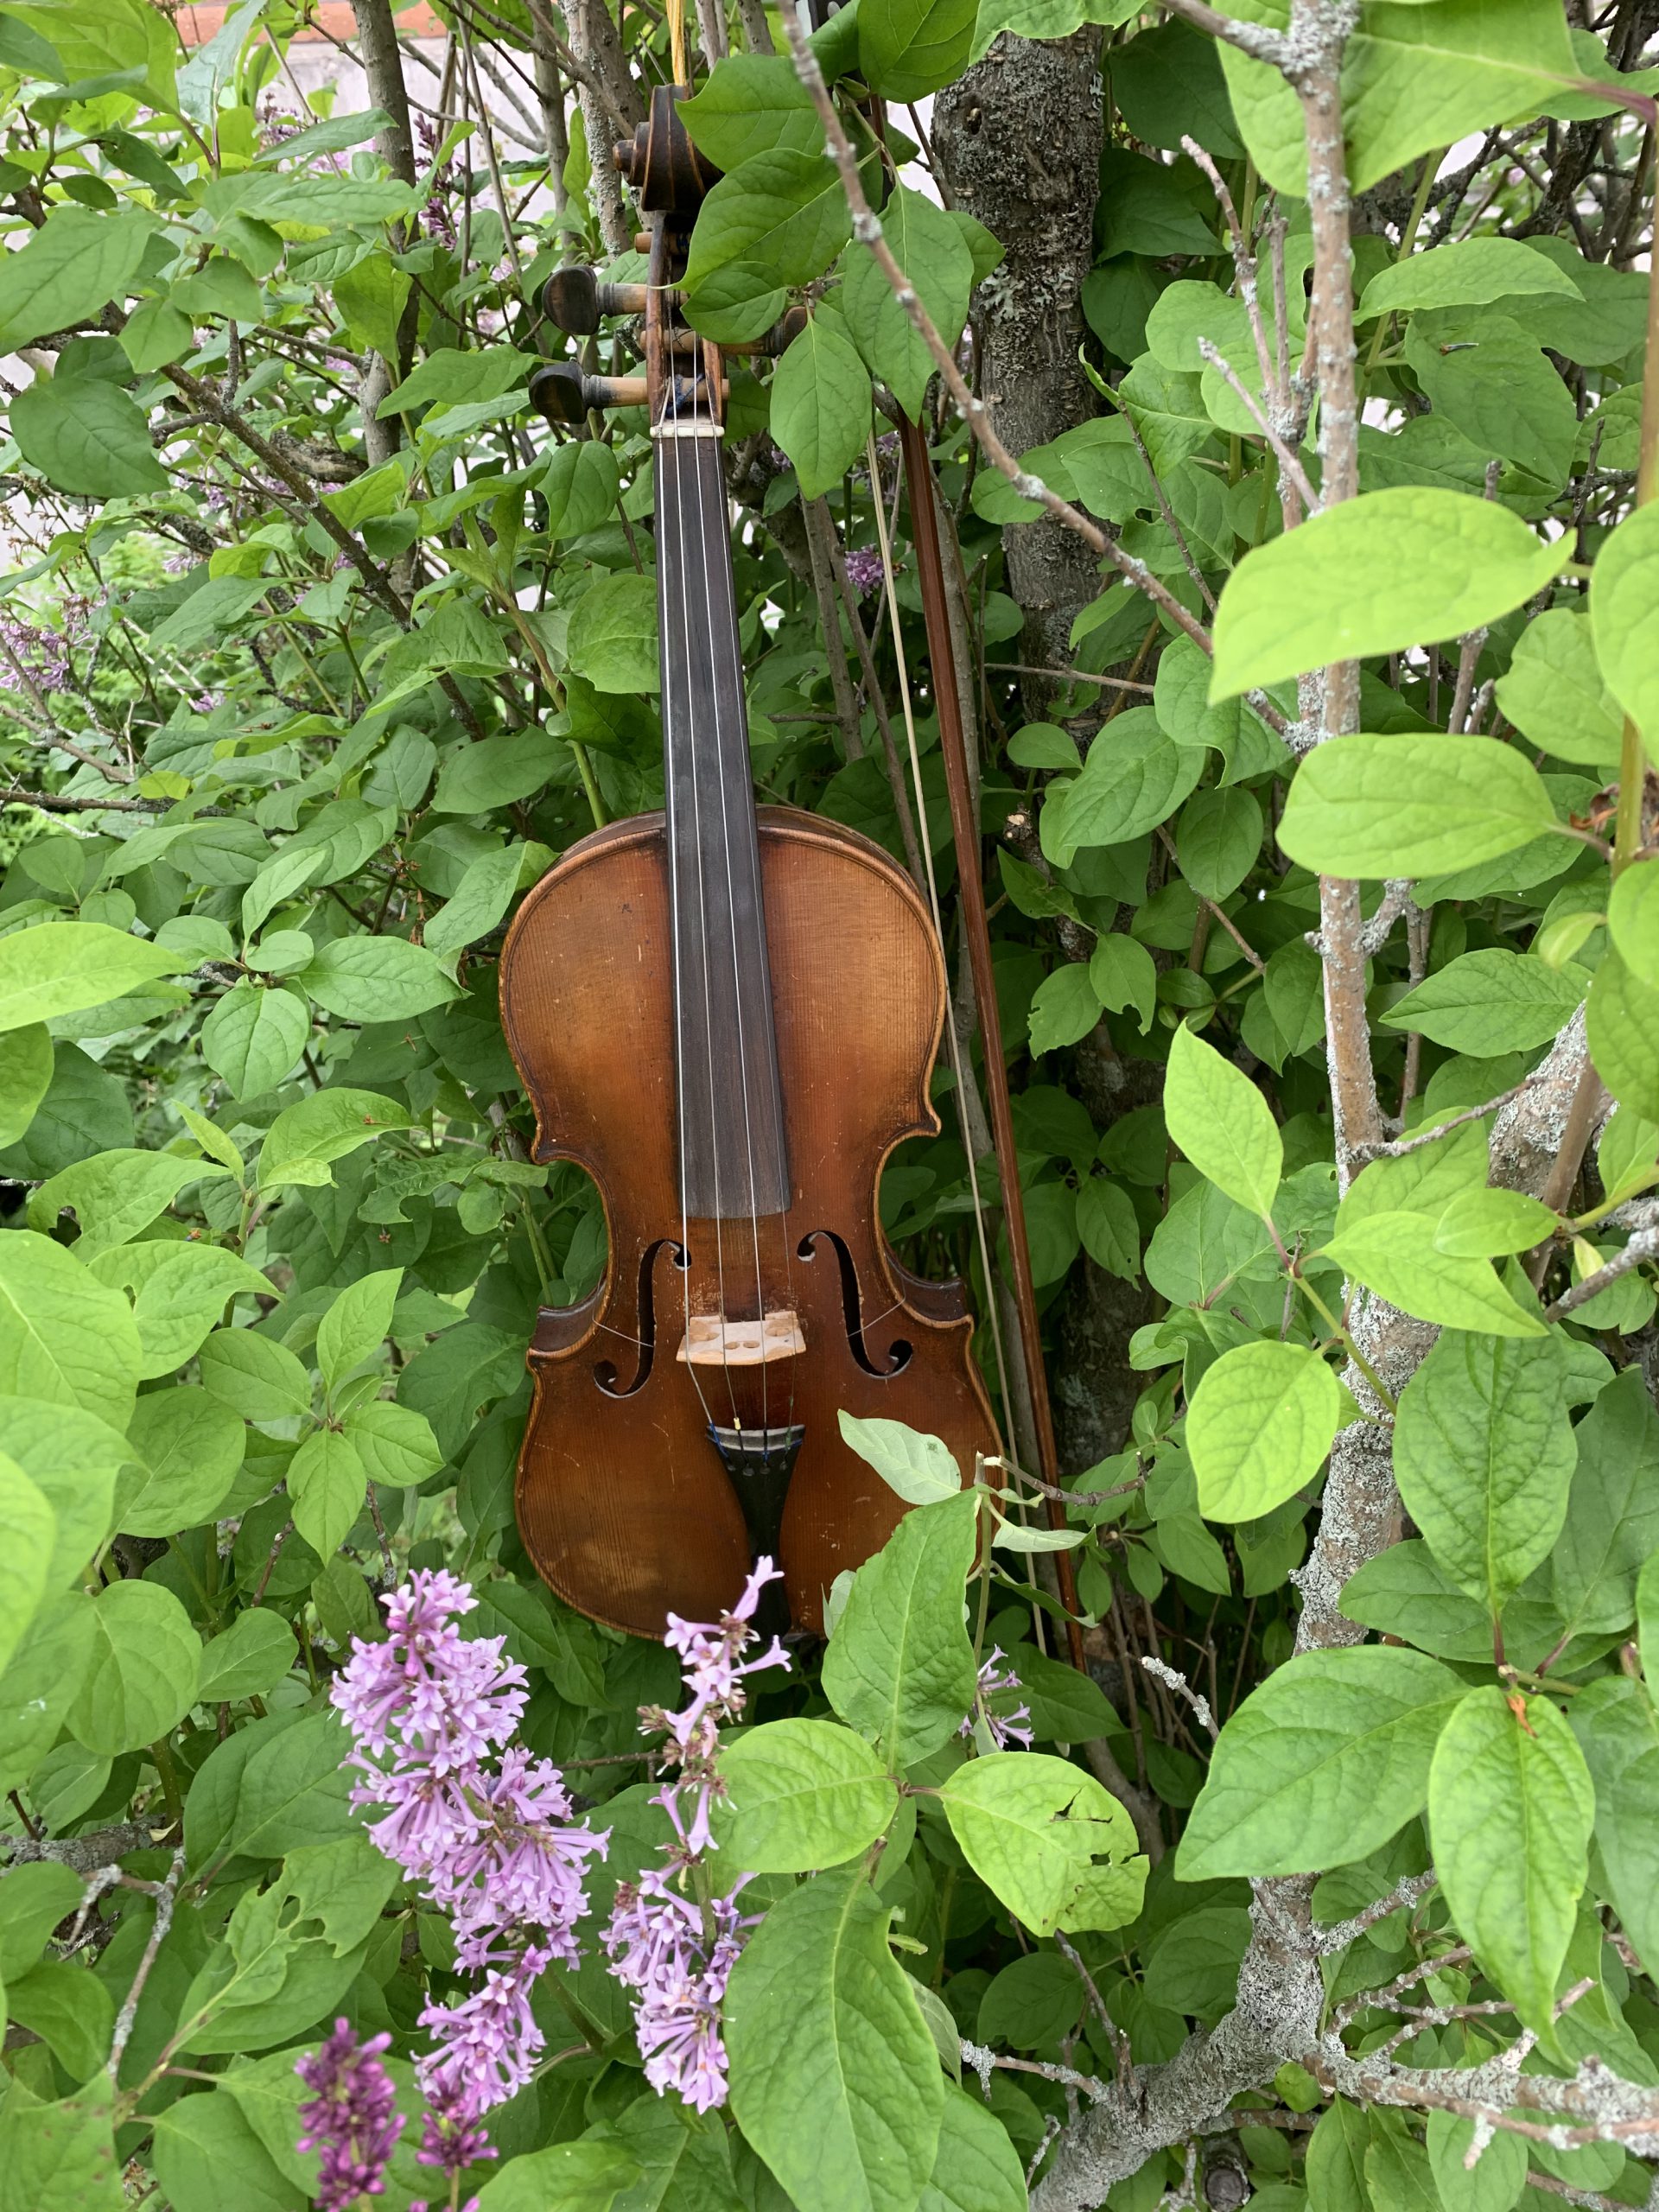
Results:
[923, 494]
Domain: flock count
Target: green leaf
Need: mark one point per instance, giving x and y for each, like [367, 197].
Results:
[376, 979]
[821, 406]
[1388, 1253]
[75, 264]
[293, 1788]
[834, 2076]
[1414, 78]
[1321, 1764]
[975, 2168]
[488, 884]
[56, 968]
[931, 251]
[141, 1678]
[1260, 1423]
[1470, 273]
[1552, 690]
[1064, 1008]
[72, 1457]
[25, 1077]
[1029, 1825]
[1124, 975]
[1391, 568]
[1486, 378]
[784, 211]
[29, 1529]
[201, 2139]
[355, 1326]
[579, 484]
[1622, 1025]
[328, 1483]
[181, 1292]
[60, 2158]
[586, 2176]
[36, 1688]
[189, 1446]
[494, 772]
[69, 2009]
[1397, 2173]
[254, 1036]
[920, 1468]
[908, 48]
[1488, 1003]
[1612, 1510]
[1510, 1805]
[1633, 920]
[1483, 1453]
[249, 1660]
[1133, 779]
[1110, 1227]
[899, 1667]
[63, 1336]
[1219, 838]
[85, 436]
[304, 1141]
[1336, 2160]
[800, 1795]
[1617, 1732]
[1490, 1224]
[751, 103]
[371, 296]
[1411, 805]
[255, 1375]
[395, 1443]
[613, 635]
[1623, 590]
[1495, 2182]
[115, 1196]
[1218, 1118]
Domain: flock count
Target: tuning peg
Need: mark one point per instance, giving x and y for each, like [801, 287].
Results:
[574, 299]
[563, 393]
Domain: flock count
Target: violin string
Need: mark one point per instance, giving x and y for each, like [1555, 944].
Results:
[692, 759]
[717, 637]
[670, 811]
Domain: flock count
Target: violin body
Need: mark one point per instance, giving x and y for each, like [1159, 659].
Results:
[639, 1490]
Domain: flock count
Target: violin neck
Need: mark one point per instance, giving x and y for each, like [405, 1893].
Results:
[734, 1162]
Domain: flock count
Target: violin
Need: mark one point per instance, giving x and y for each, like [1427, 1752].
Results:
[727, 1015]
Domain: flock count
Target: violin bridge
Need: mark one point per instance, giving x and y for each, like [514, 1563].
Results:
[712, 1341]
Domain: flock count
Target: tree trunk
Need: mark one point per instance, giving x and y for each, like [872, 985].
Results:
[1019, 140]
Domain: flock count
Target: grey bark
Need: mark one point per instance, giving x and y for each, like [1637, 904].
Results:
[383, 66]
[1019, 140]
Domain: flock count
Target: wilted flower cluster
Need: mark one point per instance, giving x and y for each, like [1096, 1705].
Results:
[1004, 1728]
[349, 2116]
[492, 1844]
[674, 1953]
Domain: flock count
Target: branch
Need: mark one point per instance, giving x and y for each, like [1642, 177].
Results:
[866, 229]
[1643, 1245]
[1341, 1933]
[85, 1854]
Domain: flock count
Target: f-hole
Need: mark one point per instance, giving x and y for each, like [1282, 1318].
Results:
[605, 1372]
[898, 1351]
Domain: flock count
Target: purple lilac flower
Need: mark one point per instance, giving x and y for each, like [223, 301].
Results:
[1004, 1728]
[429, 1708]
[863, 569]
[673, 1954]
[678, 1960]
[349, 2116]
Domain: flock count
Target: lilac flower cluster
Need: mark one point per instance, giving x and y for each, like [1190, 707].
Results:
[349, 2116]
[40, 656]
[863, 569]
[493, 1845]
[1004, 1728]
[674, 1953]
[436, 219]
